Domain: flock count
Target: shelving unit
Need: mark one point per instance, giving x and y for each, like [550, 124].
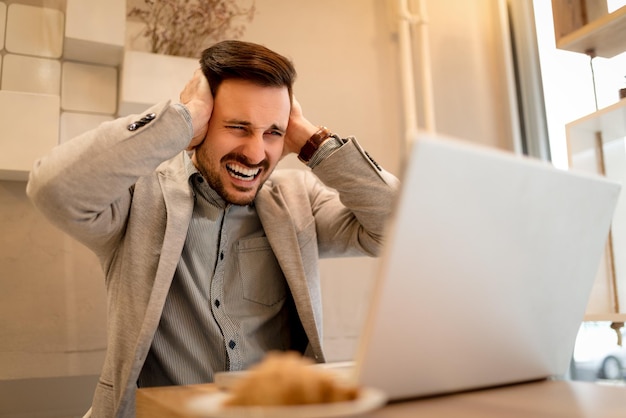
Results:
[598, 36]
[597, 142]
[610, 122]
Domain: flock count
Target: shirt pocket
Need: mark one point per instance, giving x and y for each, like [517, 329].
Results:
[262, 279]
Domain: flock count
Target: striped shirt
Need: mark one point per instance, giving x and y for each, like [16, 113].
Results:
[228, 303]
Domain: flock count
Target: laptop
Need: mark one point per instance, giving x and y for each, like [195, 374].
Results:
[487, 268]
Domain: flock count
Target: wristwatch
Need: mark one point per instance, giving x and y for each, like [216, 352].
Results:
[313, 143]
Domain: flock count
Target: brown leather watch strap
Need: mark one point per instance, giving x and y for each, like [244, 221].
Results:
[313, 143]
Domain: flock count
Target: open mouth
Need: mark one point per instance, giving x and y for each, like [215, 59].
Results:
[242, 173]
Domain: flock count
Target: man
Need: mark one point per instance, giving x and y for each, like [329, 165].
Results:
[210, 259]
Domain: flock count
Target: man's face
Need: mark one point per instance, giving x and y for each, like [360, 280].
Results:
[245, 138]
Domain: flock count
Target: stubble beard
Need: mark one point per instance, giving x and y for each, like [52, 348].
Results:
[212, 176]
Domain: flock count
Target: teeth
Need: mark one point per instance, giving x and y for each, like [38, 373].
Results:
[242, 172]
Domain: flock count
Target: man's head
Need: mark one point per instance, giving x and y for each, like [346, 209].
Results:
[246, 61]
[252, 88]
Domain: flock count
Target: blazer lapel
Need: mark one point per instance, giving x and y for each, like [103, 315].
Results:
[281, 234]
[178, 198]
[179, 207]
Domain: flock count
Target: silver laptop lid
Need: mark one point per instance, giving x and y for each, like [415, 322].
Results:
[488, 265]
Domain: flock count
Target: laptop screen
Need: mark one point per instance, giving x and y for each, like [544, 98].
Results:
[487, 268]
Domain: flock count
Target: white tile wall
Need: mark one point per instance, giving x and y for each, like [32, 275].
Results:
[32, 30]
[89, 88]
[95, 31]
[30, 128]
[3, 21]
[31, 74]
[148, 78]
[74, 124]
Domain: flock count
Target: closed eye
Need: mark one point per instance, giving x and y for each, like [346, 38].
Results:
[275, 133]
[238, 129]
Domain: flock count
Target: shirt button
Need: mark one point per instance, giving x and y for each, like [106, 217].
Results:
[232, 344]
[217, 303]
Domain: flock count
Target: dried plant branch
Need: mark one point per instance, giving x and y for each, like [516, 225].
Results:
[185, 27]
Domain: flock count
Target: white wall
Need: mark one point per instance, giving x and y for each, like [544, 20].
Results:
[471, 65]
[347, 56]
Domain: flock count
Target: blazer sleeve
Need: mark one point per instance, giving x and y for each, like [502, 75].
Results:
[352, 217]
[84, 186]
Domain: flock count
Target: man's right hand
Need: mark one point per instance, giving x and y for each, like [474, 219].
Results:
[196, 96]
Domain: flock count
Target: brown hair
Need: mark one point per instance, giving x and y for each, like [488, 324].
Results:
[233, 59]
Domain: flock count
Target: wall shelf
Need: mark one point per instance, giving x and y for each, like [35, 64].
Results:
[605, 36]
[605, 317]
[610, 122]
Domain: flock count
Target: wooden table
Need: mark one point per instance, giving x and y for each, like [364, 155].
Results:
[554, 399]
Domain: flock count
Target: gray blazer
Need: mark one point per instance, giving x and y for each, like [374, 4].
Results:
[125, 195]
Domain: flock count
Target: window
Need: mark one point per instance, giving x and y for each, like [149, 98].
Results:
[575, 85]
